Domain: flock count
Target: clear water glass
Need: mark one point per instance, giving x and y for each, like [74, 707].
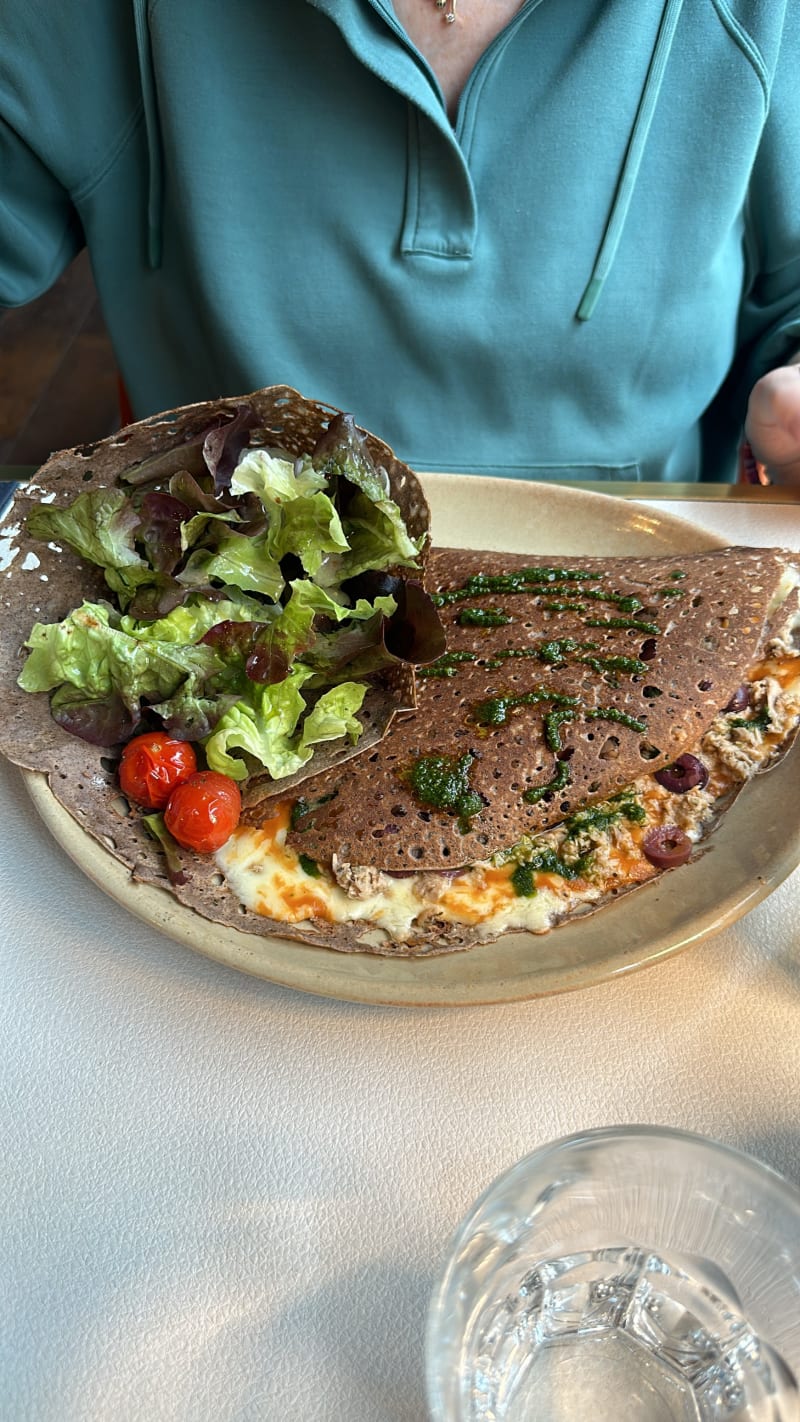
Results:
[635, 1274]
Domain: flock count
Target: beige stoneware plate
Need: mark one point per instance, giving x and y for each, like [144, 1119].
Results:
[754, 850]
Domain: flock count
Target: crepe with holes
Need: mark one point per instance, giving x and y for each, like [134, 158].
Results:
[586, 727]
[546, 748]
[243, 517]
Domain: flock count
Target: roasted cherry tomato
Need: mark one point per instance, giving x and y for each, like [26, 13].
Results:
[204, 811]
[151, 767]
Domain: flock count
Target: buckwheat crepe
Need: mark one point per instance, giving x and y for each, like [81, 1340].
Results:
[707, 666]
[521, 790]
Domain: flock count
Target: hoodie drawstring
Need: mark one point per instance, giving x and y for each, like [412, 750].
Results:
[633, 158]
[155, 186]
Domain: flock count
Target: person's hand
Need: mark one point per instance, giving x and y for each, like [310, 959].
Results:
[772, 427]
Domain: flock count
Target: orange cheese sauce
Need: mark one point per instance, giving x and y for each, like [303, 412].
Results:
[629, 865]
[721, 779]
[544, 879]
[479, 895]
[274, 826]
[784, 670]
[291, 905]
[286, 899]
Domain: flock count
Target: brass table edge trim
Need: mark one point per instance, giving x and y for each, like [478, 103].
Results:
[649, 489]
[621, 488]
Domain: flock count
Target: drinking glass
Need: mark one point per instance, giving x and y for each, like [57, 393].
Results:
[634, 1274]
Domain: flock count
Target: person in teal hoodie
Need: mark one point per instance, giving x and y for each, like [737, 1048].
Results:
[515, 237]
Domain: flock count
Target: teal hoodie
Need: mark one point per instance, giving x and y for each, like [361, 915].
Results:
[583, 276]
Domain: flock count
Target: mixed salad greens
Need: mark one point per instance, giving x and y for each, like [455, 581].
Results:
[250, 598]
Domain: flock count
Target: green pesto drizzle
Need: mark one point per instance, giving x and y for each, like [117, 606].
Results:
[610, 713]
[671, 592]
[482, 617]
[622, 622]
[553, 722]
[545, 862]
[500, 657]
[302, 808]
[565, 607]
[495, 710]
[559, 782]
[518, 582]
[548, 861]
[447, 664]
[760, 722]
[443, 781]
[309, 866]
[608, 812]
[556, 652]
[606, 664]
[522, 881]
[624, 601]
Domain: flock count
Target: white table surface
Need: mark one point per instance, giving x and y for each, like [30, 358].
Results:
[226, 1201]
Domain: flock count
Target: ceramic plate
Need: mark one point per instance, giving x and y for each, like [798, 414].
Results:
[755, 848]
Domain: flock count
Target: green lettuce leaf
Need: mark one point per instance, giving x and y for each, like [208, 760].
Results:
[191, 621]
[378, 537]
[89, 651]
[238, 562]
[310, 528]
[307, 600]
[293, 632]
[99, 525]
[342, 452]
[302, 518]
[195, 528]
[334, 715]
[263, 726]
[275, 481]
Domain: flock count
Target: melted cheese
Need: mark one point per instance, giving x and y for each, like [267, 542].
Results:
[267, 874]
[268, 877]
[783, 670]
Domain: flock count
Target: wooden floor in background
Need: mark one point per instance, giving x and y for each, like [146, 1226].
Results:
[58, 380]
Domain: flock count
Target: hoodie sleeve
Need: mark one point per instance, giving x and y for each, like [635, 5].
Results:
[69, 98]
[770, 314]
[40, 231]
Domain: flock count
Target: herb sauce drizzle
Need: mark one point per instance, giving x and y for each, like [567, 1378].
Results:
[447, 664]
[482, 617]
[559, 782]
[443, 781]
